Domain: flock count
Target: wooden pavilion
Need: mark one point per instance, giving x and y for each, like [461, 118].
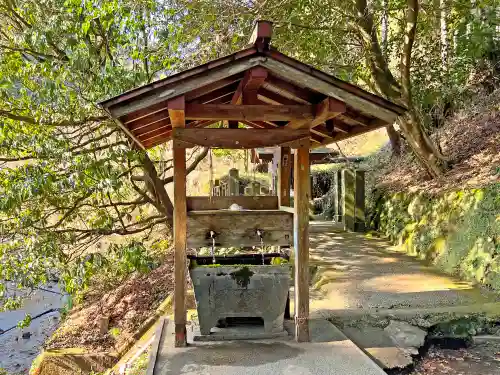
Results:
[282, 102]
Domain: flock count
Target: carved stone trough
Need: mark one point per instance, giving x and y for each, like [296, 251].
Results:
[241, 291]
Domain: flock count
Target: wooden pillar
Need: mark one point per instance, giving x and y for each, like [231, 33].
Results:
[233, 182]
[177, 118]
[348, 193]
[359, 224]
[339, 212]
[216, 191]
[284, 169]
[301, 243]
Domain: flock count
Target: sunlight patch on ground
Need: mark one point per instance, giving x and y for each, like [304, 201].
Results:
[408, 283]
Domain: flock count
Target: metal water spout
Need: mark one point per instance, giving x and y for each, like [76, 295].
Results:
[212, 250]
[260, 233]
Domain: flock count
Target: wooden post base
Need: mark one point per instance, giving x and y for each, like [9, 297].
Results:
[180, 336]
[302, 329]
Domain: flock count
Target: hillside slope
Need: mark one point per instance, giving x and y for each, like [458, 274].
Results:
[470, 140]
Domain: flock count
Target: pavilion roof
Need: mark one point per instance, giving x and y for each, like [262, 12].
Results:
[279, 91]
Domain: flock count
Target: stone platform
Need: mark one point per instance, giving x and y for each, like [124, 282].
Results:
[330, 352]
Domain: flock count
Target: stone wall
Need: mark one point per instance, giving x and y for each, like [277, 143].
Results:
[457, 231]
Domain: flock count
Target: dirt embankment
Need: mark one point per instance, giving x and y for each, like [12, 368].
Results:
[470, 140]
[126, 306]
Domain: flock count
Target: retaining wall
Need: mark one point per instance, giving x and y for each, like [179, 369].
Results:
[457, 231]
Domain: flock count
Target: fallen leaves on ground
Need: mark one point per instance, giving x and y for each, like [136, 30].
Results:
[479, 359]
[127, 307]
[471, 142]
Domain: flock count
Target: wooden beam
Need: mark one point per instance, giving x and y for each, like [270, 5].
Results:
[301, 242]
[303, 79]
[263, 202]
[327, 109]
[246, 92]
[201, 124]
[238, 228]
[176, 111]
[284, 169]
[239, 138]
[248, 112]
[247, 89]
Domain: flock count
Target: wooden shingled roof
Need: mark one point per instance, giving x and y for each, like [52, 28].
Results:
[259, 87]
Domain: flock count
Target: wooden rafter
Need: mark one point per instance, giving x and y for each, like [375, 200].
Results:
[158, 135]
[226, 91]
[353, 131]
[270, 97]
[140, 114]
[259, 124]
[337, 125]
[280, 86]
[148, 120]
[207, 89]
[327, 109]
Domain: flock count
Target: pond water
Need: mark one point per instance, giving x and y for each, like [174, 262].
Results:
[18, 347]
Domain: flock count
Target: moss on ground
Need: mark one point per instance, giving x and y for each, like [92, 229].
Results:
[457, 231]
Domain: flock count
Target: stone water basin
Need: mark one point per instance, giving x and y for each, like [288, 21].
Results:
[241, 291]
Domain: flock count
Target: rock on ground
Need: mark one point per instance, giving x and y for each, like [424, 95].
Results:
[405, 335]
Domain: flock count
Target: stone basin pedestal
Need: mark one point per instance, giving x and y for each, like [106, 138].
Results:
[241, 291]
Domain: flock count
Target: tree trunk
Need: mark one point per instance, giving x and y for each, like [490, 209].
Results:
[443, 30]
[156, 187]
[400, 93]
[393, 135]
[385, 26]
[394, 139]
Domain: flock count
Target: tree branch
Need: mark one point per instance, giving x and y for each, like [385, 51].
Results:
[191, 168]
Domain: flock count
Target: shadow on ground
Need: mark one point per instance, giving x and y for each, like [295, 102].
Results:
[239, 354]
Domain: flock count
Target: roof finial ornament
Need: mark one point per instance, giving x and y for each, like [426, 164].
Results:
[261, 35]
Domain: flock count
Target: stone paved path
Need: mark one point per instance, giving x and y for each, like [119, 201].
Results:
[355, 272]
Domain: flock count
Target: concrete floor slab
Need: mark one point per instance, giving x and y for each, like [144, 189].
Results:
[266, 357]
[379, 346]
